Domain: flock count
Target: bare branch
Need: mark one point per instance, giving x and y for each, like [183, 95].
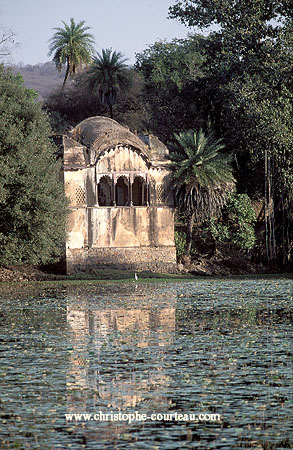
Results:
[7, 42]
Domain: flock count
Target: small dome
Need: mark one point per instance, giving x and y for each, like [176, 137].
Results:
[101, 133]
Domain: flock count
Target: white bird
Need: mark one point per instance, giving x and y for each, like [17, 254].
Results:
[135, 276]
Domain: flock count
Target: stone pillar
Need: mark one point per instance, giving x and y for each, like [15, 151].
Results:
[97, 194]
[147, 193]
[130, 181]
[130, 193]
[114, 181]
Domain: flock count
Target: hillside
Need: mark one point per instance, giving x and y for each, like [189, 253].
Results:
[43, 78]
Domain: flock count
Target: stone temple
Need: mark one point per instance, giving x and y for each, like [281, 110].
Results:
[121, 202]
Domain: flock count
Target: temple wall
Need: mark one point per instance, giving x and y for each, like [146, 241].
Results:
[155, 259]
[120, 227]
[131, 227]
[140, 238]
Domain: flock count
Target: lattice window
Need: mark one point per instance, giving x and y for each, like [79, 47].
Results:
[80, 195]
[160, 193]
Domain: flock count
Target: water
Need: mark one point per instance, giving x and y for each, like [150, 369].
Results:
[203, 347]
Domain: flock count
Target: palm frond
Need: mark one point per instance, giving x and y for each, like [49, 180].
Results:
[202, 175]
[108, 75]
[72, 46]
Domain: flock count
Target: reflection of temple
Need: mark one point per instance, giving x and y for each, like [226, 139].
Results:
[127, 348]
[121, 200]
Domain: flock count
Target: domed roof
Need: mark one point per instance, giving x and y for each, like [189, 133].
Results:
[101, 133]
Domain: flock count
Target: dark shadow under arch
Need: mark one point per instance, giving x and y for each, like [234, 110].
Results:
[104, 191]
[138, 188]
[122, 191]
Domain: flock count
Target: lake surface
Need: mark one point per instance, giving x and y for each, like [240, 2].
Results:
[205, 349]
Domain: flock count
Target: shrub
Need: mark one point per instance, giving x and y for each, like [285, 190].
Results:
[180, 243]
[32, 201]
[237, 223]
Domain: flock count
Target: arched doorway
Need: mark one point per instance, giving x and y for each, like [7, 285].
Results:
[104, 191]
[122, 191]
[138, 191]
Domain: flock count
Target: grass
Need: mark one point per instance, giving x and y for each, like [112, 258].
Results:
[97, 277]
[113, 274]
[148, 276]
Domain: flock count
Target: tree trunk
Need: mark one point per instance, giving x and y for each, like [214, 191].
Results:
[189, 233]
[111, 111]
[66, 76]
[269, 210]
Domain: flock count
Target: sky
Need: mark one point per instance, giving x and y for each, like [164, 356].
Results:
[128, 26]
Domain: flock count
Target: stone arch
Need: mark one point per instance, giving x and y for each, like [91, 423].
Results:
[122, 191]
[105, 191]
[121, 159]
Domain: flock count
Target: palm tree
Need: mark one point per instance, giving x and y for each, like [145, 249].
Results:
[202, 177]
[108, 75]
[72, 46]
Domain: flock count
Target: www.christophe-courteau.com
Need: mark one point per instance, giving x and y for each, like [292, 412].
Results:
[137, 417]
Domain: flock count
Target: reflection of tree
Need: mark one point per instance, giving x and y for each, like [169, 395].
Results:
[117, 355]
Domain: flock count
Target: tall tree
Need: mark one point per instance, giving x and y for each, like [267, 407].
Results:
[108, 75]
[71, 46]
[202, 177]
[32, 200]
[249, 90]
[252, 19]
[173, 71]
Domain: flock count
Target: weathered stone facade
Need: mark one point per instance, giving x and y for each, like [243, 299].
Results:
[159, 260]
[120, 198]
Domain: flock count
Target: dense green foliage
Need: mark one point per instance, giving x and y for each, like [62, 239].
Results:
[249, 92]
[172, 72]
[71, 46]
[32, 201]
[180, 243]
[237, 82]
[236, 224]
